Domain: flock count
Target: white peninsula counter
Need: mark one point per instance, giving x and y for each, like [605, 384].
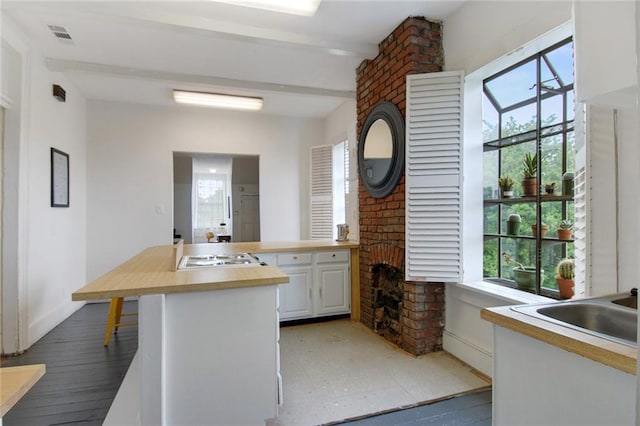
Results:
[208, 345]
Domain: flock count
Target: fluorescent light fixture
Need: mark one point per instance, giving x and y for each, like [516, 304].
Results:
[217, 100]
[294, 7]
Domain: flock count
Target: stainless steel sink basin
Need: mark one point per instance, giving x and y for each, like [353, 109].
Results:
[629, 302]
[606, 317]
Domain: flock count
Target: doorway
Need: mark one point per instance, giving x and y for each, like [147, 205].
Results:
[231, 196]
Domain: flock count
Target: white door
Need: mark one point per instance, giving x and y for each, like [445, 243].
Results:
[249, 217]
[333, 289]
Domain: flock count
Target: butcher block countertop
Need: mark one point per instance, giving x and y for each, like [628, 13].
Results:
[604, 351]
[15, 382]
[153, 271]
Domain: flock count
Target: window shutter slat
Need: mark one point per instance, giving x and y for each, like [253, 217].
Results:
[433, 177]
[321, 192]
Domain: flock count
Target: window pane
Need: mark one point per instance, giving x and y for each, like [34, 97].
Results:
[519, 120]
[210, 202]
[551, 110]
[514, 86]
[561, 59]
[491, 220]
[490, 261]
[490, 174]
[551, 160]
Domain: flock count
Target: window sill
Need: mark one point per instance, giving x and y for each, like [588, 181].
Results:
[507, 294]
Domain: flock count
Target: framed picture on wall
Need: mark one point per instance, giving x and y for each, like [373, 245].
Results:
[59, 178]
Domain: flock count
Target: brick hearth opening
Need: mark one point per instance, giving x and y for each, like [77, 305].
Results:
[413, 311]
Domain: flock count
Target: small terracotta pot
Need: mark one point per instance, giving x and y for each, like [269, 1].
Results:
[543, 230]
[529, 187]
[564, 234]
[566, 287]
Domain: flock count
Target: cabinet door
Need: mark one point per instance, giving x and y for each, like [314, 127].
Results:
[295, 297]
[334, 293]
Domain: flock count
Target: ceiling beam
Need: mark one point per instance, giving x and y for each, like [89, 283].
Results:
[64, 65]
[145, 16]
[239, 32]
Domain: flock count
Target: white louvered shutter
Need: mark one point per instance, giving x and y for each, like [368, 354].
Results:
[433, 177]
[321, 192]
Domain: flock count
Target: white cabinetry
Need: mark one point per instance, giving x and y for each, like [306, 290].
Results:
[319, 283]
[296, 297]
[332, 279]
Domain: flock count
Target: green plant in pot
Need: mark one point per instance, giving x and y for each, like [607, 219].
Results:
[524, 276]
[506, 186]
[565, 229]
[529, 173]
[565, 272]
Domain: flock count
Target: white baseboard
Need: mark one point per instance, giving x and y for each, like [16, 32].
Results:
[47, 322]
[476, 357]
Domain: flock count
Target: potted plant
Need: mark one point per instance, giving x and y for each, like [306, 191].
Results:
[524, 276]
[550, 188]
[506, 186]
[543, 229]
[565, 229]
[529, 173]
[513, 224]
[565, 272]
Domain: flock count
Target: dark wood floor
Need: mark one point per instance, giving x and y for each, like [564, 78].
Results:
[472, 409]
[82, 375]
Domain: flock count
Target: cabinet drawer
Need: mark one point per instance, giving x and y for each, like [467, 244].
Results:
[294, 259]
[333, 256]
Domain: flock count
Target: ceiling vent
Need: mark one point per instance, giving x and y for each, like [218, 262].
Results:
[60, 33]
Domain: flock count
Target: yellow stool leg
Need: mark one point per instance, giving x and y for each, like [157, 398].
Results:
[113, 306]
[120, 301]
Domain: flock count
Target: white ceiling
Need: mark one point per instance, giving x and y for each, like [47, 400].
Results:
[138, 51]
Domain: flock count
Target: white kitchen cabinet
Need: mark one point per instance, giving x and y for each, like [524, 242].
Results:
[319, 283]
[535, 383]
[295, 297]
[332, 279]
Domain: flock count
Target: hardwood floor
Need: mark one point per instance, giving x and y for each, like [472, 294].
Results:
[472, 409]
[82, 375]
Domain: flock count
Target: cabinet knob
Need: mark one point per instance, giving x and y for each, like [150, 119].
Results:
[333, 255]
[295, 257]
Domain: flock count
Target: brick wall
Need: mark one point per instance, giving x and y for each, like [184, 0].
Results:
[414, 47]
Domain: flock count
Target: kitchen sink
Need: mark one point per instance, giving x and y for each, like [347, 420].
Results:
[629, 302]
[609, 317]
[217, 260]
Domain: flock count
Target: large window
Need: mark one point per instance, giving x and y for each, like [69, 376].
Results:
[528, 114]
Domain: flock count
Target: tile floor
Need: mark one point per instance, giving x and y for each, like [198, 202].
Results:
[340, 370]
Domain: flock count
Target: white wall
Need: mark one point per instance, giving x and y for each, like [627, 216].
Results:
[476, 45]
[477, 34]
[341, 125]
[130, 180]
[480, 32]
[50, 251]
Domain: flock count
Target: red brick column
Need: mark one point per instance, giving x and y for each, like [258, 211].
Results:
[415, 46]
